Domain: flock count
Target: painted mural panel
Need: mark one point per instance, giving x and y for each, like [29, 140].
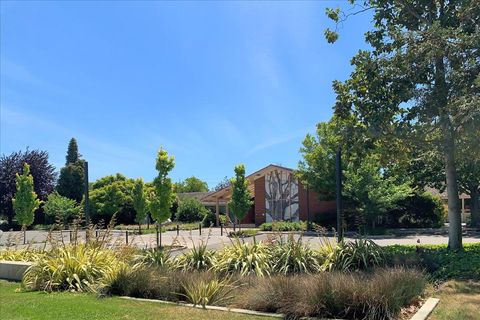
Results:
[281, 196]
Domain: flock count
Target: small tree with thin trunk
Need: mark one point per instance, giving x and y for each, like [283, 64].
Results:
[161, 198]
[241, 197]
[25, 202]
[139, 203]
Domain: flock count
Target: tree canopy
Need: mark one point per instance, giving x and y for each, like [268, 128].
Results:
[71, 181]
[162, 197]
[191, 184]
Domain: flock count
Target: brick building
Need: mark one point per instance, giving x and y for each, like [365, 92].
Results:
[277, 195]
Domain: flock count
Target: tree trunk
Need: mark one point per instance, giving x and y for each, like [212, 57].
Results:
[475, 207]
[454, 216]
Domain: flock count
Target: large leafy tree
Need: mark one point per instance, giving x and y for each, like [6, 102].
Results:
[241, 200]
[191, 184]
[140, 202]
[161, 199]
[26, 201]
[113, 195]
[422, 74]
[42, 171]
[71, 180]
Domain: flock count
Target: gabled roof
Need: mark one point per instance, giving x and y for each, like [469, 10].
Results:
[223, 195]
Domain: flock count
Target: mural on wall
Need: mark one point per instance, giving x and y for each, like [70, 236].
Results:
[281, 196]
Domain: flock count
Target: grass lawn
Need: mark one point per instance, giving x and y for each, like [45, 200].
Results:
[459, 300]
[39, 305]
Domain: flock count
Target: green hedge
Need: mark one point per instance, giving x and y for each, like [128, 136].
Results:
[284, 226]
[439, 262]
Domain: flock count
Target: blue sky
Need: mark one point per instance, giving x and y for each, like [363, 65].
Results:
[214, 83]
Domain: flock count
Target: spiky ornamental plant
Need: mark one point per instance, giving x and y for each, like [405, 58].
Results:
[25, 202]
[241, 197]
[139, 203]
[161, 199]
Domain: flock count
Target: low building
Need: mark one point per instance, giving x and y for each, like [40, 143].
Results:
[277, 196]
[464, 202]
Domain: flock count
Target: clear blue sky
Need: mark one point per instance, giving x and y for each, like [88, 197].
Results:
[214, 83]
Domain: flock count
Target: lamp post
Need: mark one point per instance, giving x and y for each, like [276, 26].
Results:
[87, 201]
[338, 171]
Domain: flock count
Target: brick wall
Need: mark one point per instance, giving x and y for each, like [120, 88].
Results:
[259, 187]
[316, 206]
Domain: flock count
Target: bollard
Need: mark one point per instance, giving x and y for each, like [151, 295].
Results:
[70, 235]
[200, 228]
[158, 239]
[96, 233]
[126, 236]
[221, 229]
[178, 229]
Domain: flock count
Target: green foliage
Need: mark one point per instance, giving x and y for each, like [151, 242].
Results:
[373, 191]
[244, 258]
[243, 233]
[157, 257]
[198, 258]
[191, 184]
[419, 210]
[292, 256]
[111, 195]
[61, 209]
[25, 202]
[438, 261]
[71, 183]
[139, 201]
[241, 201]
[76, 268]
[283, 226]
[191, 210]
[211, 292]
[162, 197]
[73, 156]
[209, 220]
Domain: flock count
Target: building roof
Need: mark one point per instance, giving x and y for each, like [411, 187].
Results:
[223, 195]
[197, 195]
[444, 194]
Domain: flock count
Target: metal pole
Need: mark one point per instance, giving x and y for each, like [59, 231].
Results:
[221, 229]
[338, 165]
[200, 228]
[178, 229]
[158, 238]
[126, 236]
[308, 208]
[87, 200]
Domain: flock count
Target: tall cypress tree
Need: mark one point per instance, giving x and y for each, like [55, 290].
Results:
[71, 180]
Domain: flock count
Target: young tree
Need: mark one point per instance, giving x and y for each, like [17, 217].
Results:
[422, 71]
[25, 202]
[241, 201]
[139, 203]
[43, 173]
[71, 180]
[62, 209]
[162, 197]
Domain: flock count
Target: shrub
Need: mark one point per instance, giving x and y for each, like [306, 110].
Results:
[157, 257]
[292, 256]
[198, 258]
[378, 295]
[440, 262]
[283, 226]
[209, 220]
[76, 268]
[356, 255]
[208, 292]
[420, 210]
[191, 210]
[244, 258]
[243, 233]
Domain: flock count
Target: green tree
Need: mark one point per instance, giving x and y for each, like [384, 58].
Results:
[373, 191]
[25, 201]
[62, 209]
[113, 195]
[139, 202]
[71, 180]
[191, 210]
[191, 184]
[162, 197]
[422, 71]
[241, 201]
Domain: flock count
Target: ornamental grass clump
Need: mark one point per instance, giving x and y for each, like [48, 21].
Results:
[208, 290]
[198, 258]
[292, 256]
[80, 267]
[27, 255]
[244, 258]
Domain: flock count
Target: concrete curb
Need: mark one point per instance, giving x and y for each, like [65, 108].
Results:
[13, 270]
[217, 308]
[426, 309]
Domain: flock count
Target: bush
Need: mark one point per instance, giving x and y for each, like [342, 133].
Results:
[208, 292]
[292, 256]
[191, 210]
[440, 262]
[420, 210]
[283, 226]
[209, 220]
[157, 257]
[378, 295]
[244, 258]
[355, 255]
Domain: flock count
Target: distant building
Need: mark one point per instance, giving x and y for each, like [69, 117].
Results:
[464, 199]
[277, 196]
